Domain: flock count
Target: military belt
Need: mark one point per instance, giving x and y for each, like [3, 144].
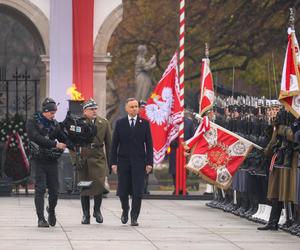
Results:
[94, 146]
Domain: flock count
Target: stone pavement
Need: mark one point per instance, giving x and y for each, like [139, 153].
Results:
[164, 224]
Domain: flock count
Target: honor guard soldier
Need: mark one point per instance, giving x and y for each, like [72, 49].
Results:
[95, 162]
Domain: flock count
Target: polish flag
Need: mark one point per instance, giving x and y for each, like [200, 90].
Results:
[163, 111]
[71, 50]
[207, 95]
[25, 160]
[290, 82]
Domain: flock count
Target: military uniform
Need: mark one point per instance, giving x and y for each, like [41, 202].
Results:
[95, 160]
[94, 163]
[282, 181]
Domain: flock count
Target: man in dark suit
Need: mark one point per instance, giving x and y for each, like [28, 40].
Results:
[131, 157]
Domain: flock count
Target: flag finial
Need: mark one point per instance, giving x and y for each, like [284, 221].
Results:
[292, 18]
[206, 50]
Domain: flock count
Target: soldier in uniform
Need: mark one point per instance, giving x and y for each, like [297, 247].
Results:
[45, 133]
[95, 164]
[282, 177]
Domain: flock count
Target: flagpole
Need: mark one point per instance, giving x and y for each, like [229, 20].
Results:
[232, 91]
[274, 75]
[269, 80]
[180, 159]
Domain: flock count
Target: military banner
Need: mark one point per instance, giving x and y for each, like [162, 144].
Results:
[163, 111]
[207, 95]
[216, 154]
[290, 82]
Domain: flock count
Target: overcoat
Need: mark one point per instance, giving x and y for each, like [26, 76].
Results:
[282, 181]
[94, 157]
[131, 151]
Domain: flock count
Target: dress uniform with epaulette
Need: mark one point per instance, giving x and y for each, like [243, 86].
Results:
[95, 164]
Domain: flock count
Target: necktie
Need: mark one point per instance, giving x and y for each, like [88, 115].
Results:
[132, 123]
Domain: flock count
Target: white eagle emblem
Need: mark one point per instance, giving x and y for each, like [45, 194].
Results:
[159, 111]
[209, 94]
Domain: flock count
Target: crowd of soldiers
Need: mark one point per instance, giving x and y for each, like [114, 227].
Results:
[266, 187]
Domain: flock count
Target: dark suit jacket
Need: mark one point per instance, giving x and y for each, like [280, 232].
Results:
[132, 150]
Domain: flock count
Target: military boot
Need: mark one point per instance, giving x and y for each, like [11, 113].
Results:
[97, 204]
[85, 203]
[274, 217]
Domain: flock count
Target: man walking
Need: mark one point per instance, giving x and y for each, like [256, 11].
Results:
[131, 157]
[49, 140]
[94, 156]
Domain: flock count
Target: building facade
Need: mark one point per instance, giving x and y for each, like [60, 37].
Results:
[24, 51]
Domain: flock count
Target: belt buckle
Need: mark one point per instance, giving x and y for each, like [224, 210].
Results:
[93, 145]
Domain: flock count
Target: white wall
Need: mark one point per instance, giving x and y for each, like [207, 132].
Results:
[102, 9]
[43, 5]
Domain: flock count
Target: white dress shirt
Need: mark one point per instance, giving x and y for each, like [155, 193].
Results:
[134, 120]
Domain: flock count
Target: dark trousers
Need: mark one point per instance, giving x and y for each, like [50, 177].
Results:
[146, 191]
[135, 205]
[46, 176]
[174, 180]
[275, 212]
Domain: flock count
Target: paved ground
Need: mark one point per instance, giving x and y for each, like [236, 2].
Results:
[164, 224]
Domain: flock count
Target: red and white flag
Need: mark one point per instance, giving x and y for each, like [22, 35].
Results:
[216, 154]
[202, 128]
[207, 95]
[71, 50]
[163, 111]
[23, 160]
[23, 153]
[290, 82]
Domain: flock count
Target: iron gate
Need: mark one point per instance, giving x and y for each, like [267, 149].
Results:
[18, 95]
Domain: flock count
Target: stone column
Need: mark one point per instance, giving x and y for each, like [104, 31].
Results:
[45, 77]
[100, 63]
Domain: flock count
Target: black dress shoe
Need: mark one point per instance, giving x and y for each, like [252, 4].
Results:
[98, 216]
[52, 219]
[272, 227]
[43, 223]
[285, 227]
[124, 217]
[85, 219]
[134, 222]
